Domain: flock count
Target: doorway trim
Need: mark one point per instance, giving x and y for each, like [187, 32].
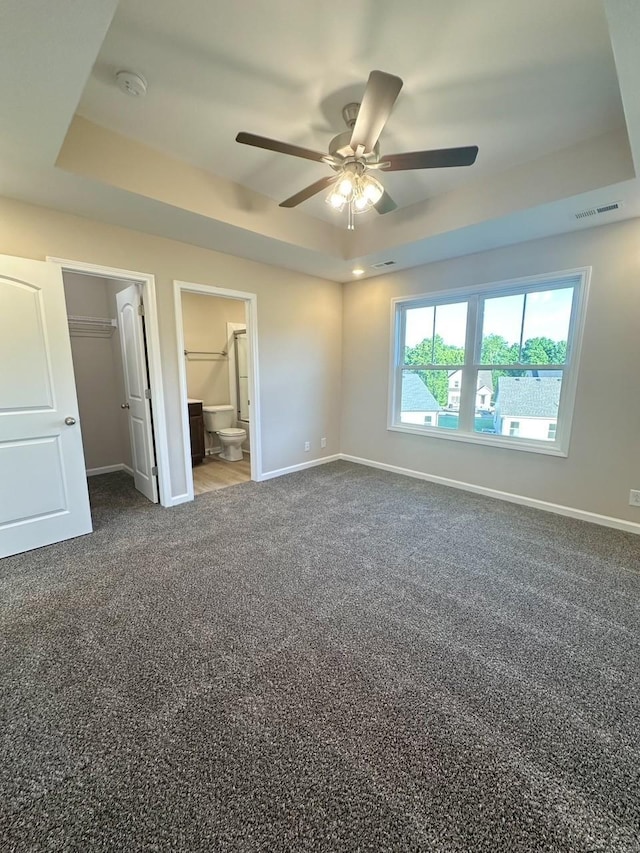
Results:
[251, 308]
[152, 339]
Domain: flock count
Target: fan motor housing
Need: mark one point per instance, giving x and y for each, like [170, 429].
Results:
[340, 147]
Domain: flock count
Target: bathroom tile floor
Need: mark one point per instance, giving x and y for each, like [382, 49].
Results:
[214, 473]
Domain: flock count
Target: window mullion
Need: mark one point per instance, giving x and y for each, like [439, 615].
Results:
[400, 337]
[433, 333]
[524, 312]
[469, 372]
[399, 357]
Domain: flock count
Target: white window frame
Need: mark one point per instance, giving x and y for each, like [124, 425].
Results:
[474, 296]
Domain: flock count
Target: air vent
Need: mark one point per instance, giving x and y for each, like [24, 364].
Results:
[603, 208]
[382, 265]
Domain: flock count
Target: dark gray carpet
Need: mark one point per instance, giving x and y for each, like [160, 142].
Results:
[338, 660]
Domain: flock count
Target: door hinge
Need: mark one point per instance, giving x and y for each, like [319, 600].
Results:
[147, 393]
[154, 471]
[141, 309]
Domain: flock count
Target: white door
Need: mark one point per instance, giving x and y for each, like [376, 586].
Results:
[43, 486]
[137, 392]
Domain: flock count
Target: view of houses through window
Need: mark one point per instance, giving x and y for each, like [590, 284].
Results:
[509, 382]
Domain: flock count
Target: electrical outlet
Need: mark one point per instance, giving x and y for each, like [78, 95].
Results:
[634, 497]
[323, 442]
[307, 445]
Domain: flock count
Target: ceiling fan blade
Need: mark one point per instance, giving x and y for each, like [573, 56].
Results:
[386, 203]
[440, 158]
[281, 147]
[377, 103]
[307, 192]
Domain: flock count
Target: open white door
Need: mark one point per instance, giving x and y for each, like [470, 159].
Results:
[138, 395]
[43, 485]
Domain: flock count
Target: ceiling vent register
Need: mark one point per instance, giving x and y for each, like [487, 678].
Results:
[594, 211]
[382, 265]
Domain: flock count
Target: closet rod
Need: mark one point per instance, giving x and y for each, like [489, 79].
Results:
[204, 352]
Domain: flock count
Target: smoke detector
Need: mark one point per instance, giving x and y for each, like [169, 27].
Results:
[131, 84]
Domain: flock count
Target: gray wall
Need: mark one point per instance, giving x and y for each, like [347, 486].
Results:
[604, 454]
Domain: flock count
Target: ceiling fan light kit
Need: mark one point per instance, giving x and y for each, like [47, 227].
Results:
[356, 152]
[355, 189]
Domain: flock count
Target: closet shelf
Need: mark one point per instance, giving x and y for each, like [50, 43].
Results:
[91, 327]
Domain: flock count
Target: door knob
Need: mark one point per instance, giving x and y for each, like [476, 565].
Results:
[124, 405]
[69, 421]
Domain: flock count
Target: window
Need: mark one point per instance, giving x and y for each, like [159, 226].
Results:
[439, 335]
[494, 365]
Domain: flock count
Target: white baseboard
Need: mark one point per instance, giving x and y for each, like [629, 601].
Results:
[109, 469]
[546, 506]
[280, 472]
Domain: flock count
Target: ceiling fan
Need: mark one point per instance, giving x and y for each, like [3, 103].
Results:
[355, 153]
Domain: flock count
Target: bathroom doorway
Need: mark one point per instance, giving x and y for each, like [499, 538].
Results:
[217, 353]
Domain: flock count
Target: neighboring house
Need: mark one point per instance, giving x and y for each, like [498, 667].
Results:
[419, 406]
[544, 374]
[484, 390]
[527, 406]
[453, 395]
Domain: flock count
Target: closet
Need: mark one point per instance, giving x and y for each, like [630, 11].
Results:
[97, 365]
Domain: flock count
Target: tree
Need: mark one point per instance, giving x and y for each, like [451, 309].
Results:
[540, 350]
[435, 351]
[561, 352]
[437, 381]
[446, 353]
[543, 350]
[496, 350]
[419, 354]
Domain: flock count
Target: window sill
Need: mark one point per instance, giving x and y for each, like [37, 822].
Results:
[484, 440]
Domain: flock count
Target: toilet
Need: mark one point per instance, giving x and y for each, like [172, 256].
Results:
[218, 420]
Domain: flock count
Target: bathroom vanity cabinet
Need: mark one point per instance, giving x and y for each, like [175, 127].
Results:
[196, 430]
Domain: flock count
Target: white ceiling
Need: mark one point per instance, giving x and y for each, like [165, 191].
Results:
[536, 84]
[517, 79]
